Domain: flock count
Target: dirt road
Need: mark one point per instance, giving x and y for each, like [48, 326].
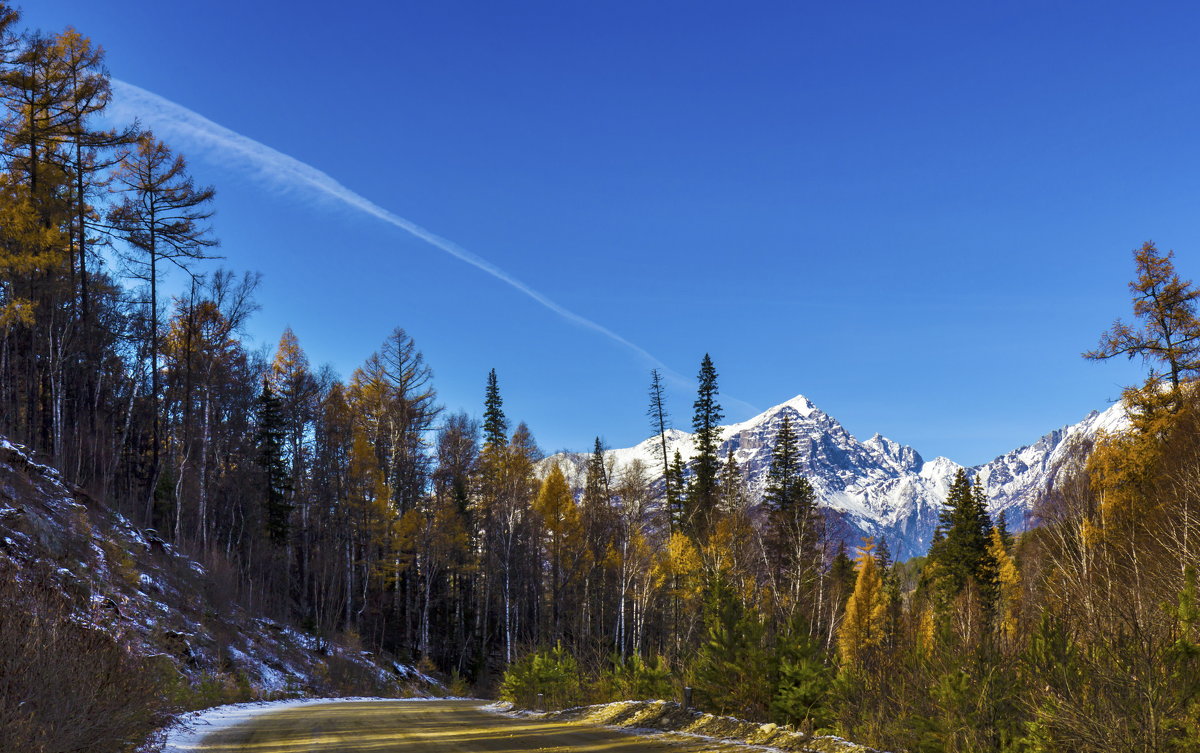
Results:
[423, 727]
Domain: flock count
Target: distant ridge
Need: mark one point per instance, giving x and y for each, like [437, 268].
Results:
[880, 487]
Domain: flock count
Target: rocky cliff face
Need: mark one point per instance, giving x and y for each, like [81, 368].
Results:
[877, 487]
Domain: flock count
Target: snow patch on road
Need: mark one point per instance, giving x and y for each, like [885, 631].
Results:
[185, 734]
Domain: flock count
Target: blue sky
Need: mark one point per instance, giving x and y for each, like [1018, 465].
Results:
[916, 214]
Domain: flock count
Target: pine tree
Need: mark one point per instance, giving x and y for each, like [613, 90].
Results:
[596, 489]
[791, 503]
[784, 471]
[733, 495]
[677, 479]
[802, 692]
[495, 425]
[658, 422]
[841, 576]
[298, 392]
[961, 555]
[597, 501]
[35, 303]
[87, 96]
[411, 410]
[704, 490]
[732, 669]
[276, 477]
[1006, 537]
[883, 554]
[599, 523]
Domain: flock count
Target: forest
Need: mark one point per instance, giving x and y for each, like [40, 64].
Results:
[359, 509]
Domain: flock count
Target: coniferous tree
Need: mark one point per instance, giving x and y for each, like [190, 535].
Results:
[658, 422]
[37, 315]
[864, 625]
[733, 496]
[783, 476]
[794, 534]
[841, 582]
[1008, 586]
[495, 425]
[678, 480]
[596, 487]
[703, 492]
[961, 557]
[457, 448]
[802, 693]
[89, 149]
[161, 219]
[883, 554]
[272, 437]
[598, 529]
[1006, 536]
[1168, 340]
[732, 668]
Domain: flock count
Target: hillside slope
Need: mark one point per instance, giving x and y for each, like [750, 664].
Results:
[141, 590]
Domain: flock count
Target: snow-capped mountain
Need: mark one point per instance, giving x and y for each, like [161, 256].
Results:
[880, 487]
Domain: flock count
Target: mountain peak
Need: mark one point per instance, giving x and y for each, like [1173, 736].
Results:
[799, 403]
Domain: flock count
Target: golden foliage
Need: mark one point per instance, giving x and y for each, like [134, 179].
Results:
[556, 506]
[1121, 471]
[29, 248]
[864, 625]
[1009, 591]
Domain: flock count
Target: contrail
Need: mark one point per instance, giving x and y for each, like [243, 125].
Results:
[133, 101]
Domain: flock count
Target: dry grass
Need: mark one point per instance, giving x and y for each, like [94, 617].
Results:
[665, 716]
[66, 685]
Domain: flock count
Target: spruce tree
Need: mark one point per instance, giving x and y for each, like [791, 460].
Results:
[802, 692]
[677, 480]
[596, 491]
[597, 504]
[1006, 537]
[704, 490]
[790, 499]
[495, 425]
[783, 475]
[732, 492]
[277, 487]
[960, 556]
[732, 669]
[841, 576]
[883, 554]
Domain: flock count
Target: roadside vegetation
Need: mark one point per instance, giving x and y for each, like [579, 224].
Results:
[1080, 634]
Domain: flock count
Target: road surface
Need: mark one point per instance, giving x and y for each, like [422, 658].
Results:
[424, 727]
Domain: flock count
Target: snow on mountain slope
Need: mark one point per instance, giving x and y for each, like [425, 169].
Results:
[878, 487]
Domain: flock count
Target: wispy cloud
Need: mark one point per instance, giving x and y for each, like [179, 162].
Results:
[198, 132]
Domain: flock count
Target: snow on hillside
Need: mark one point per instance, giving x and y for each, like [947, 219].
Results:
[142, 590]
[879, 487]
